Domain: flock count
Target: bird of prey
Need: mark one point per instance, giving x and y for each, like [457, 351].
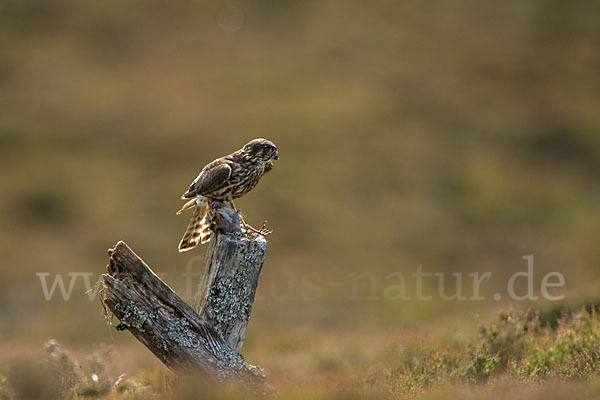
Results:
[225, 179]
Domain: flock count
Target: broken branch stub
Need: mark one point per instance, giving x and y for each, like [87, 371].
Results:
[228, 284]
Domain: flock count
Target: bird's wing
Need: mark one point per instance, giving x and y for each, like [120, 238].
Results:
[211, 178]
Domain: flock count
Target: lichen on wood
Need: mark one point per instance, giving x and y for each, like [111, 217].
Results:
[168, 326]
[228, 285]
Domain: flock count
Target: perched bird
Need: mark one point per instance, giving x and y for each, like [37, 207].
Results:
[225, 179]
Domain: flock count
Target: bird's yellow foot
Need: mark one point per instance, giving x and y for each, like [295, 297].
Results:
[210, 213]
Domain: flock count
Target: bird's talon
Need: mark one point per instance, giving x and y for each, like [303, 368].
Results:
[262, 231]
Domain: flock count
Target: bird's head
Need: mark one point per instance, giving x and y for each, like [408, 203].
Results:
[261, 149]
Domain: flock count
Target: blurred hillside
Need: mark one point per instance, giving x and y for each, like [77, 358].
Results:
[459, 136]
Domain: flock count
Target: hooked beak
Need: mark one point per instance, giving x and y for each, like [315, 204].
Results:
[275, 156]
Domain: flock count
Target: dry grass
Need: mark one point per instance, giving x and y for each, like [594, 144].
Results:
[517, 351]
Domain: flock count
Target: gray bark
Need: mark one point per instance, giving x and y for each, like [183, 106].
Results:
[168, 326]
[228, 284]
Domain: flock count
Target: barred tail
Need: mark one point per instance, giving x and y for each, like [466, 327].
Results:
[198, 230]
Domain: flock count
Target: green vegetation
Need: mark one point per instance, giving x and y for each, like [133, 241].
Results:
[517, 346]
[516, 350]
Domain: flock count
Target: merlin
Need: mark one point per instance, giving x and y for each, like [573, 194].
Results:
[225, 179]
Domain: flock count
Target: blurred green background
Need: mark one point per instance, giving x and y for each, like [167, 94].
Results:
[460, 136]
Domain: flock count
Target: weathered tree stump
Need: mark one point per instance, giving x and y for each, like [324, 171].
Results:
[228, 284]
[183, 340]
